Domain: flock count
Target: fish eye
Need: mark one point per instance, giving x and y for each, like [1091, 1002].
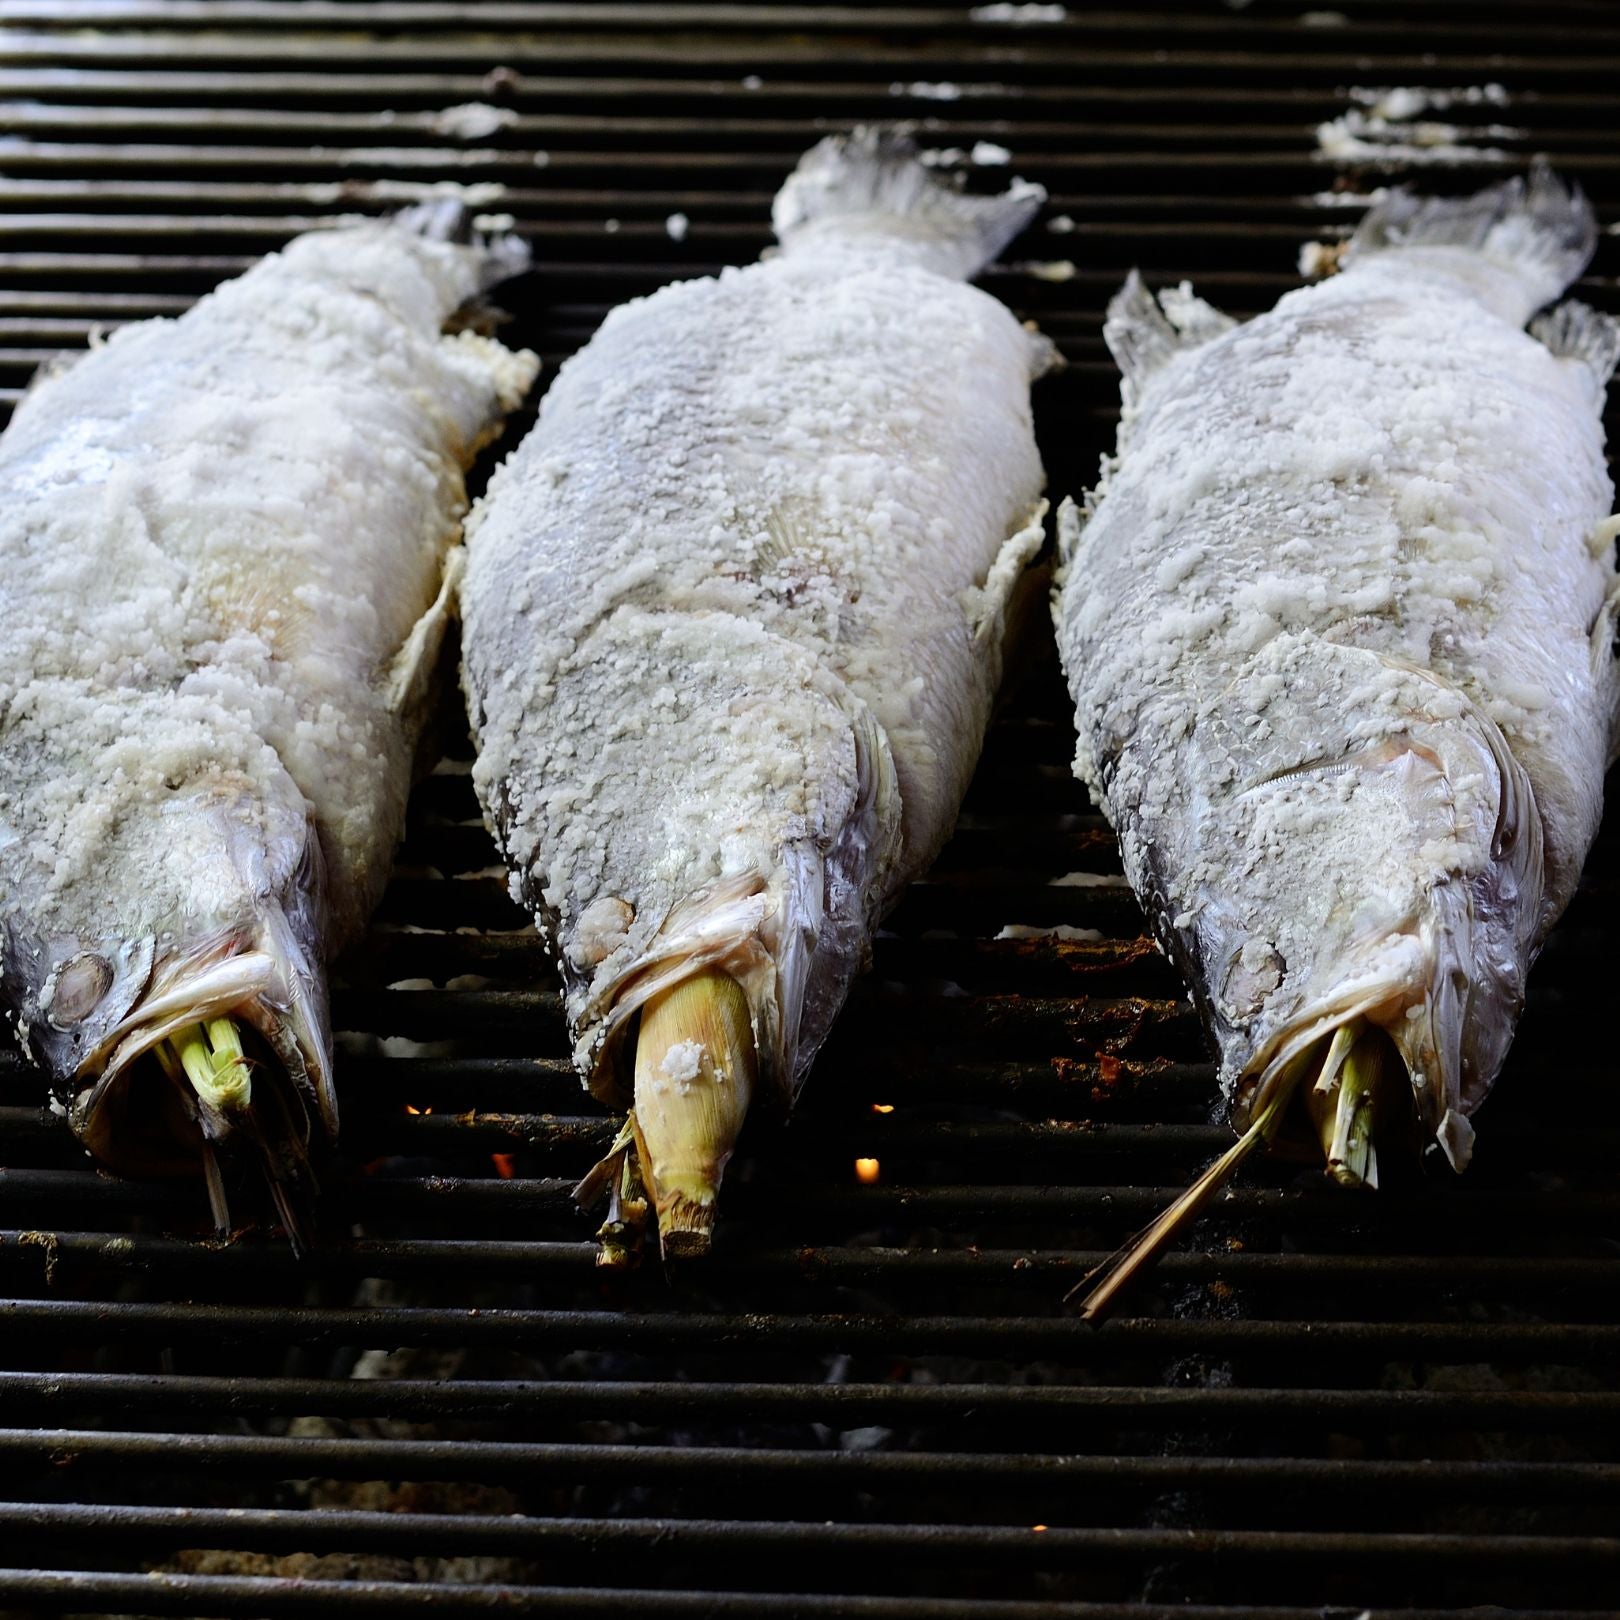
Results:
[77, 989]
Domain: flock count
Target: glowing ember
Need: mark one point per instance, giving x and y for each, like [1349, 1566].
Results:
[504, 1165]
[410, 1110]
[866, 1170]
[882, 1108]
[1037, 1527]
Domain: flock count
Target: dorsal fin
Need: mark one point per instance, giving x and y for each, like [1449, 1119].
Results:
[1144, 333]
[1575, 331]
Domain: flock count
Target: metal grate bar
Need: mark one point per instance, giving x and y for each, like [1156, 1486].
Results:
[247, 1596]
[732, 1468]
[1062, 1408]
[635, 1541]
[45, 1321]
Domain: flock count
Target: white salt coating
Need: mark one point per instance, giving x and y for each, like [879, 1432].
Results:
[478, 194]
[1063, 931]
[1018, 16]
[1407, 101]
[1338, 633]
[223, 540]
[1344, 199]
[471, 121]
[683, 1062]
[989, 155]
[1386, 127]
[734, 609]
[924, 90]
[677, 226]
[415, 157]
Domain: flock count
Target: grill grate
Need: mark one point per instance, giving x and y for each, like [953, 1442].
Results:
[869, 1403]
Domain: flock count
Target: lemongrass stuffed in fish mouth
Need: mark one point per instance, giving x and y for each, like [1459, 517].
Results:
[226, 541]
[1338, 630]
[733, 622]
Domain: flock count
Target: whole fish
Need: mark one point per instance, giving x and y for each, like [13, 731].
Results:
[224, 542]
[733, 621]
[1338, 629]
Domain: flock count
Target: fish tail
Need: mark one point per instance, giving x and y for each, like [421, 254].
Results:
[873, 182]
[1537, 226]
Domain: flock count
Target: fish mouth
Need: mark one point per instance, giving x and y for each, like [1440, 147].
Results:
[137, 1113]
[1405, 1025]
[726, 925]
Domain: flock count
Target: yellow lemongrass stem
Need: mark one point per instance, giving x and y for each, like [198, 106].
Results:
[212, 1059]
[1351, 1155]
[1327, 1099]
[620, 1236]
[1327, 1079]
[695, 1073]
[1115, 1274]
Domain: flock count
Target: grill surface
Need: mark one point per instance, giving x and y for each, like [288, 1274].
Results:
[870, 1403]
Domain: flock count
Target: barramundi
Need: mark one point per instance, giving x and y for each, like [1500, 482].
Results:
[733, 624]
[225, 541]
[1338, 627]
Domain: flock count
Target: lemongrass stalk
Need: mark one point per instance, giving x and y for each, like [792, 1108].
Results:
[1108, 1280]
[1351, 1155]
[1344, 1103]
[211, 1057]
[1344, 1038]
[695, 1073]
[621, 1235]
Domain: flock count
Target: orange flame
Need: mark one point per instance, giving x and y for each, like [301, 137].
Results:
[866, 1171]
[504, 1165]
[882, 1108]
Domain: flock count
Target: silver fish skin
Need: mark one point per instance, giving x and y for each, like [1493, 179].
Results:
[734, 609]
[225, 541]
[1338, 630]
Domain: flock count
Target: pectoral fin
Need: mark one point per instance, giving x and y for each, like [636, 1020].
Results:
[991, 607]
[411, 673]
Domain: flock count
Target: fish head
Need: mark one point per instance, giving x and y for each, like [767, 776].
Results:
[706, 840]
[1361, 845]
[203, 902]
[725, 803]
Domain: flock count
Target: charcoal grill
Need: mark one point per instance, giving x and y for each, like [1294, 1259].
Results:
[870, 1403]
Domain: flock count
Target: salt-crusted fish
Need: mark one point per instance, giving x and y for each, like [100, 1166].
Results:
[224, 542]
[733, 621]
[1338, 628]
